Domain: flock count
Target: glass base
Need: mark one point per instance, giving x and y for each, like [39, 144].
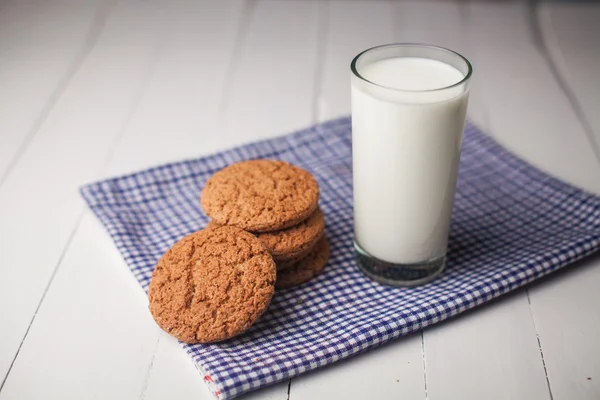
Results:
[398, 274]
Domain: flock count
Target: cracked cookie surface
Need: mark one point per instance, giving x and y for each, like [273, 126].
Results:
[212, 285]
[260, 195]
[305, 269]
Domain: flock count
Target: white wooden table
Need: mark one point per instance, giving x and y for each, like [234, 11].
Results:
[91, 89]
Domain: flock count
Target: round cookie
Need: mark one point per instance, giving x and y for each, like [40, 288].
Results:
[305, 269]
[260, 195]
[212, 285]
[294, 243]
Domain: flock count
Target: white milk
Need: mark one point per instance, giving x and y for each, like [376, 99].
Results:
[406, 149]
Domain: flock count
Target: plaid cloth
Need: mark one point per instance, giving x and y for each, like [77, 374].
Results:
[511, 225]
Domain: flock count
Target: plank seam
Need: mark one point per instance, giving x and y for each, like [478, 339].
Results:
[147, 377]
[541, 46]
[89, 43]
[137, 97]
[539, 345]
[64, 252]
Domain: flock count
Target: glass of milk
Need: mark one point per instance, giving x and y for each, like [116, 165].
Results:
[409, 103]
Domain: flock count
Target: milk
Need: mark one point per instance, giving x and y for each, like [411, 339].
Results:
[406, 139]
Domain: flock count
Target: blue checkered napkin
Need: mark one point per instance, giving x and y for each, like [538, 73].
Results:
[511, 225]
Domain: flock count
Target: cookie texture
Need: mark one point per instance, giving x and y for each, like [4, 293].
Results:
[212, 285]
[294, 243]
[281, 265]
[260, 195]
[305, 269]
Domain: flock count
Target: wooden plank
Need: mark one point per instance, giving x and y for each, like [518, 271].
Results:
[172, 375]
[457, 351]
[491, 352]
[158, 131]
[272, 87]
[394, 370]
[353, 27]
[565, 306]
[58, 23]
[528, 111]
[539, 125]
[91, 336]
[565, 310]
[442, 23]
[570, 34]
[36, 64]
[178, 116]
[39, 202]
[179, 77]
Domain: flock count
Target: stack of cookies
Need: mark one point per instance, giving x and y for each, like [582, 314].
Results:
[279, 204]
[266, 231]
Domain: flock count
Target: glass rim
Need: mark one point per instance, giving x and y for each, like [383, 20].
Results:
[430, 46]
